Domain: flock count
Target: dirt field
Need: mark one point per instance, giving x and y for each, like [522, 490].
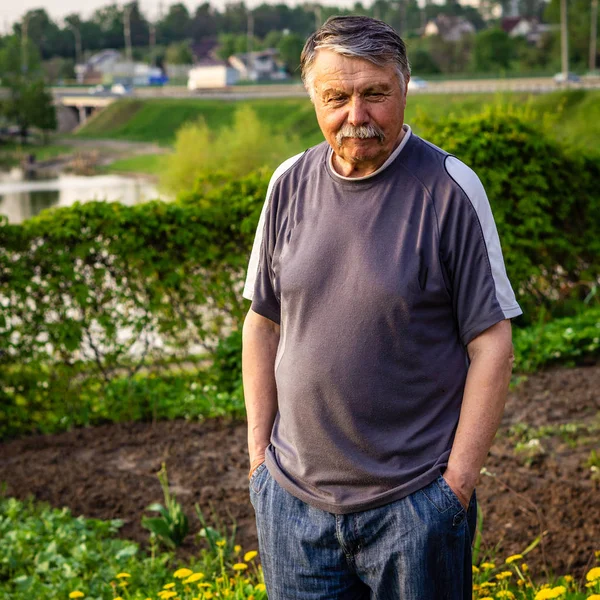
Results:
[110, 472]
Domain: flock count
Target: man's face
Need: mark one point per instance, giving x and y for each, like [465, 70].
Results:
[352, 93]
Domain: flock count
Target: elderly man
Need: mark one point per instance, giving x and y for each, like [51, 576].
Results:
[377, 350]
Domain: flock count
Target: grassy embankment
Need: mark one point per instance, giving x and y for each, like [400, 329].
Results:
[574, 116]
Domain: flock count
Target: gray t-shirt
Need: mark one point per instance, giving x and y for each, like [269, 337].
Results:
[378, 284]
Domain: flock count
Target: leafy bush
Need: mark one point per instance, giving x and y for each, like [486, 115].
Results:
[567, 341]
[48, 554]
[545, 201]
[234, 151]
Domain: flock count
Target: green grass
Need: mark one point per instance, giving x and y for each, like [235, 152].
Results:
[150, 164]
[158, 120]
[12, 153]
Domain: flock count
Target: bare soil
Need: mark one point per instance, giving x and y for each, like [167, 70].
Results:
[110, 471]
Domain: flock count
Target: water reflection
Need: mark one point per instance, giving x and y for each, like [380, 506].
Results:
[21, 198]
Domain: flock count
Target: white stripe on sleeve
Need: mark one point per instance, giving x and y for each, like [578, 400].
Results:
[473, 188]
[253, 262]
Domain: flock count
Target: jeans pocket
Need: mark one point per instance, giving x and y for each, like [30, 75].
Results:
[257, 481]
[441, 495]
[450, 493]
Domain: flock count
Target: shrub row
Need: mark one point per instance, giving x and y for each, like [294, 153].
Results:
[97, 292]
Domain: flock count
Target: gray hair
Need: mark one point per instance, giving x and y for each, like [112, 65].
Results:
[356, 36]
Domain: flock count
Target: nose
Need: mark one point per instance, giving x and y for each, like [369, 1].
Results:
[357, 113]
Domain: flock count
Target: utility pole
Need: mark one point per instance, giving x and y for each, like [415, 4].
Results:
[78, 46]
[564, 39]
[24, 41]
[152, 28]
[250, 41]
[593, 35]
[127, 31]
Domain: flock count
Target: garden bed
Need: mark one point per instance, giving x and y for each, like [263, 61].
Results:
[547, 486]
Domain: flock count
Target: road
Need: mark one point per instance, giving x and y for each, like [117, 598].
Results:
[465, 86]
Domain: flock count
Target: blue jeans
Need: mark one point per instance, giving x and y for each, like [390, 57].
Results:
[417, 548]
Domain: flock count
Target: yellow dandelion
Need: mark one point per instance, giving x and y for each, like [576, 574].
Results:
[488, 566]
[219, 580]
[208, 595]
[221, 543]
[504, 575]
[597, 553]
[250, 555]
[260, 587]
[520, 583]
[524, 567]
[486, 598]
[194, 577]
[182, 573]
[165, 594]
[240, 566]
[475, 569]
[594, 597]
[76, 594]
[593, 574]
[544, 594]
[559, 590]
[237, 548]
[505, 594]
[512, 558]
[118, 598]
[251, 597]
[591, 584]
[488, 584]
[568, 578]
[123, 583]
[123, 575]
[203, 585]
[168, 586]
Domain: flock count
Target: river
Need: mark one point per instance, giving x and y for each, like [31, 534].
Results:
[22, 198]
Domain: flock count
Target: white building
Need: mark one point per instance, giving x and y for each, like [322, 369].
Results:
[212, 73]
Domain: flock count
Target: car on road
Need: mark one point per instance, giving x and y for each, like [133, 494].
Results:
[570, 78]
[416, 83]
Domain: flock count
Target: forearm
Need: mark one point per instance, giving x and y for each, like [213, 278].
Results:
[260, 339]
[482, 408]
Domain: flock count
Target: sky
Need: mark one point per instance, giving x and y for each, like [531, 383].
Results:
[13, 10]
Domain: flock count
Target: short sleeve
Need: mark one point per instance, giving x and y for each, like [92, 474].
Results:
[259, 286]
[470, 249]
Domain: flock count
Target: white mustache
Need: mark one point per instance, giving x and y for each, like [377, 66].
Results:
[362, 132]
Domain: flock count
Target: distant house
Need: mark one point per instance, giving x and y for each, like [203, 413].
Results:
[212, 73]
[259, 66]
[109, 67]
[531, 29]
[449, 28]
[96, 67]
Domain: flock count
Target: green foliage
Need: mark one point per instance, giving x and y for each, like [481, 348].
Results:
[235, 151]
[545, 203]
[568, 341]
[172, 526]
[28, 104]
[48, 554]
[493, 50]
[290, 47]
[95, 292]
[179, 53]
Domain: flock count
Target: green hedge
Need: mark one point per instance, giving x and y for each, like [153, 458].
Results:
[546, 203]
[87, 291]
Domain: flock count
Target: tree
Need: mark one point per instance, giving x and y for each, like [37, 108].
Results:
[493, 51]
[175, 25]
[179, 53]
[290, 48]
[578, 21]
[29, 104]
